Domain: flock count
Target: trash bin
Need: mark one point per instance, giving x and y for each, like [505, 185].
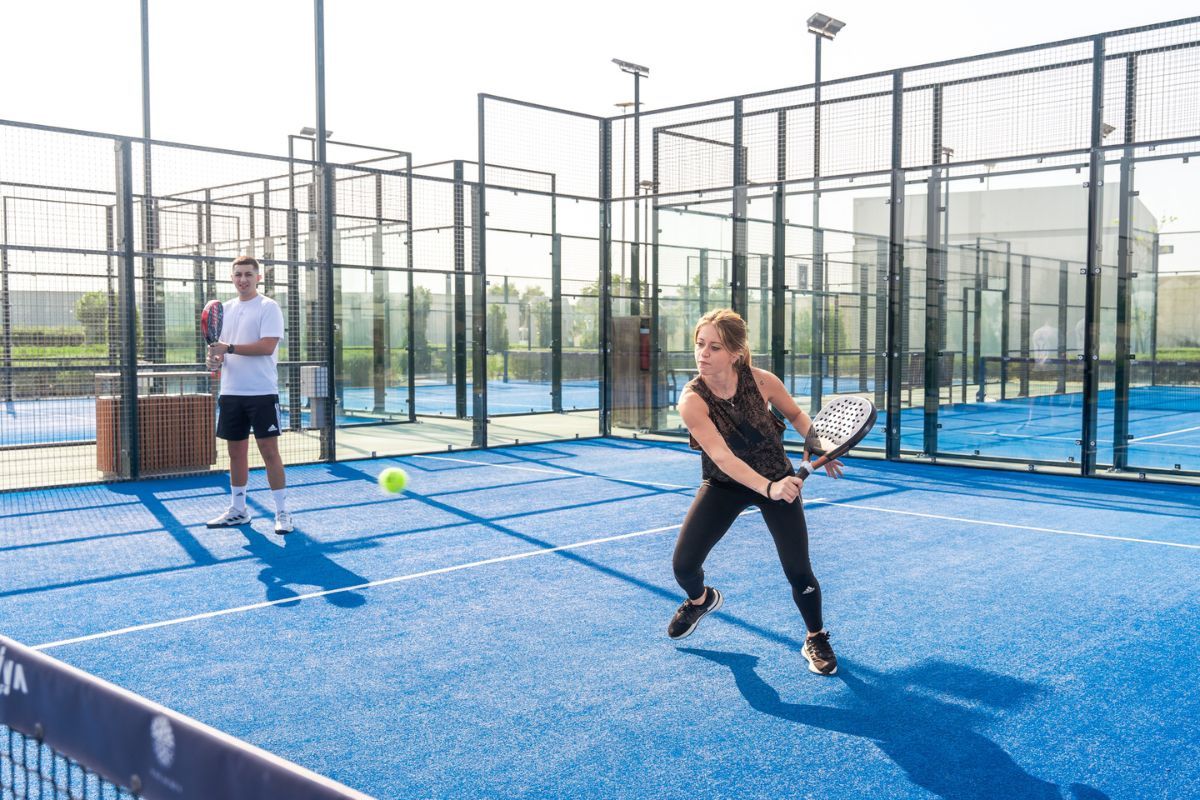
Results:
[176, 422]
[313, 385]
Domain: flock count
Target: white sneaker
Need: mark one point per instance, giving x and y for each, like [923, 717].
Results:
[283, 522]
[230, 518]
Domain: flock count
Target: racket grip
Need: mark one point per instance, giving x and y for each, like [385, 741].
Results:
[804, 470]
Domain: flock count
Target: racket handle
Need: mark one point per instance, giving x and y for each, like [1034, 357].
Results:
[804, 470]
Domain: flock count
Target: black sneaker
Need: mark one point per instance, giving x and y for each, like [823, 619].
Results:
[819, 654]
[689, 614]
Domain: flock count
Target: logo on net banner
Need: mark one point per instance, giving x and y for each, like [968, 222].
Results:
[12, 675]
[162, 738]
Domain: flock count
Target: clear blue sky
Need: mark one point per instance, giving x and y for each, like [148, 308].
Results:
[238, 73]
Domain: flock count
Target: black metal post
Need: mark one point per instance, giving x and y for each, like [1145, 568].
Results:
[605, 321]
[6, 348]
[153, 301]
[410, 322]
[293, 297]
[1026, 284]
[130, 456]
[381, 355]
[479, 283]
[779, 250]
[816, 358]
[635, 255]
[739, 298]
[1125, 243]
[1063, 295]
[460, 294]
[556, 300]
[895, 334]
[935, 285]
[1095, 233]
[325, 243]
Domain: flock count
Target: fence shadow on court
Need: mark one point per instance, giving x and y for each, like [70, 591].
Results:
[922, 718]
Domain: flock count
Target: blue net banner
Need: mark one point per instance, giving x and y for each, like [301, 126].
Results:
[137, 744]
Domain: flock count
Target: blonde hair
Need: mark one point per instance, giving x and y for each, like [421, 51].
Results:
[731, 329]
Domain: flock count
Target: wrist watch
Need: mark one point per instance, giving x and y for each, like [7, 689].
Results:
[230, 349]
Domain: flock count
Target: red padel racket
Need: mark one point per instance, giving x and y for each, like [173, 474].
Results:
[210, 323]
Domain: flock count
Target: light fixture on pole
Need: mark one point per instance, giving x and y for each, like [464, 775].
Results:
[824, 25]
[638, 72]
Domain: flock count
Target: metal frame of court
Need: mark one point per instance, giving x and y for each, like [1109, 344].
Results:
[709, 160]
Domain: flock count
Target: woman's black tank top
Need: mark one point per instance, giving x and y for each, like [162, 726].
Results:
[752, 431]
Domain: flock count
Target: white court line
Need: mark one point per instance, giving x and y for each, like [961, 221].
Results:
[369, 585]
[1009, 525]
[559, 473]
[1168, 433]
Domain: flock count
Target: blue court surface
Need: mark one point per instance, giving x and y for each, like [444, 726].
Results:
[499, 629]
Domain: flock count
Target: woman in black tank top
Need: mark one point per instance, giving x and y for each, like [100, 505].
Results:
[743, 463]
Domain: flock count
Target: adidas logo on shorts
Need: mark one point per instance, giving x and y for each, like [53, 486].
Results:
[272, 428]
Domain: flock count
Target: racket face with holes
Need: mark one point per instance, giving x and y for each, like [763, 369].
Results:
[842, 424]
[210, 321]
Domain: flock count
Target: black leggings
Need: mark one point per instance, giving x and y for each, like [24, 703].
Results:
[713, 512]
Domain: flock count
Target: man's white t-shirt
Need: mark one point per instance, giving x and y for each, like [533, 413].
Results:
[246, 323]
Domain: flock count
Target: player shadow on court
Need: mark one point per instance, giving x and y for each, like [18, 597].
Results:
[930, 738]
[301, 562]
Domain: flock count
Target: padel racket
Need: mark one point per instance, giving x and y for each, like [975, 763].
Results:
[839, 426]
[211, 319]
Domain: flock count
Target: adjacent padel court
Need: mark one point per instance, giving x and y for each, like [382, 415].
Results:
[498, 630]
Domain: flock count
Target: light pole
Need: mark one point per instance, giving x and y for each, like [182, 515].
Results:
[625, 106]
[821, 26]
[638, 72]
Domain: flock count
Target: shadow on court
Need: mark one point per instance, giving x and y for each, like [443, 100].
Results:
[301, 562]
[931, 739]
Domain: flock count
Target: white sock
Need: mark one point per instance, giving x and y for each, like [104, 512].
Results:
[239, 497]
[280, 499]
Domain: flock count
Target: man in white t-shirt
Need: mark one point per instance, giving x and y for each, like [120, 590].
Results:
[249, 401]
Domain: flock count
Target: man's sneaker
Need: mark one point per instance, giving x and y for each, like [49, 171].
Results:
[819, 654]
[283, 522]
[689, 614]
[231, 518]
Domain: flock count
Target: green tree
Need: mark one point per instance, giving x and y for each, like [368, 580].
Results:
[93, 313]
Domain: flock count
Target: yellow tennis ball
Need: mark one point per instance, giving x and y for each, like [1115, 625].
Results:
[393, 480]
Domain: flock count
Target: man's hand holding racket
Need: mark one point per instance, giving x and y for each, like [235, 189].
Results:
[211, 319]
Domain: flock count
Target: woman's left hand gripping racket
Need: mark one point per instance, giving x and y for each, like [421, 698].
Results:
[210, 329]
[838, 426]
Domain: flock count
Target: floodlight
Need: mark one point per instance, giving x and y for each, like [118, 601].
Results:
[307, 131]
[824, 25]
[631, 68]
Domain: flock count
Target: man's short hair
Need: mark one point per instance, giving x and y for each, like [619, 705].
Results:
[242, 261]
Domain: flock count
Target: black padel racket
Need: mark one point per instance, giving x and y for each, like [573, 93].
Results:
[840, 426]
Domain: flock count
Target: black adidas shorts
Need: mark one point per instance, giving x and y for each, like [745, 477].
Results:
[239, 413]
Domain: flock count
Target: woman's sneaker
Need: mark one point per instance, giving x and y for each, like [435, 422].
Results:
[689, 614]
[231, 518]
[819, 654]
